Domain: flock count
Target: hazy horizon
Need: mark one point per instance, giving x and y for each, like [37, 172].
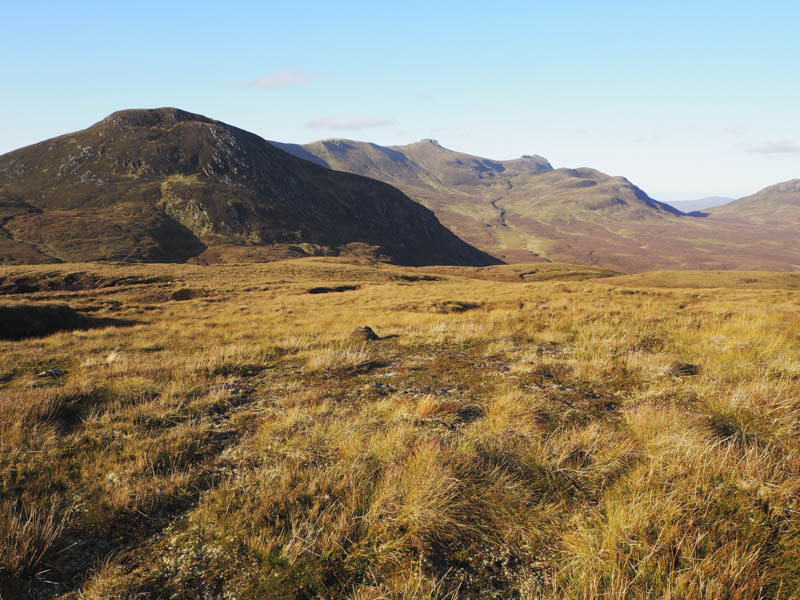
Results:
[684, 102]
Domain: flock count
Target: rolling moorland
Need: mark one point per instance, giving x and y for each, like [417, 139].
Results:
[523, 210]
[227, 372]
[538, 431]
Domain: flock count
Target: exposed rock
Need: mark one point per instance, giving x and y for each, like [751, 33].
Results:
[680, 369]
[468, 413]
[364, 334]
[51, 373]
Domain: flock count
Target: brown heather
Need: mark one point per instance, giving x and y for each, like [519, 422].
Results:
[521, 432]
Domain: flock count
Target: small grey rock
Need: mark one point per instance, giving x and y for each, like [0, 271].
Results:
[680, 369]
[51, 373]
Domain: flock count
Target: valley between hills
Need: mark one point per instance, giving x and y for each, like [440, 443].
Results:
[240, 369]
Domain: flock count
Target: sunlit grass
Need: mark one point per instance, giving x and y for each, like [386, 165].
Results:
[503, 439]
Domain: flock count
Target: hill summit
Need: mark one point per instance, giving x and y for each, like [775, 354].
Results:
[168, 185]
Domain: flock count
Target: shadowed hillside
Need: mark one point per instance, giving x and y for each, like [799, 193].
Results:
[167, 185]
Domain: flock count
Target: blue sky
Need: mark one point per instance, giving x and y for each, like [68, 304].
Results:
[685, 99]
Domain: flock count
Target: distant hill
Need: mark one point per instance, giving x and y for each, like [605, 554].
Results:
[167, 185]
[524, 210]
[777, 206]
[701, 204]
[509, 208]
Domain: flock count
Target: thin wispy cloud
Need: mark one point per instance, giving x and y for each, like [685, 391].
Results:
[348, 123]
[280, 79]
[784, 146]
[734, 130]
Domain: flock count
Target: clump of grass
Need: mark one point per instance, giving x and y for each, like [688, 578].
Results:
[27, 535]
[339, 358]
[758, 412]
[114, 356]
[418, 502]
[662, 529]
[413, 585]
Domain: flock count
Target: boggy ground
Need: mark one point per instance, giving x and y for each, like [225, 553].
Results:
[517, 433]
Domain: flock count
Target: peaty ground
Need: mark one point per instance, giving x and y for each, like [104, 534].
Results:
[535, 431]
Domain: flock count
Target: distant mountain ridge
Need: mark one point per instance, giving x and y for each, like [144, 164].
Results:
[486, 201]
[425, 162]
[688, 206]
[168, 185]
[524, 210]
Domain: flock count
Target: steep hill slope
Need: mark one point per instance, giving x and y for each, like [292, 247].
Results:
[167, 185]
[458, 187]
[523, 210]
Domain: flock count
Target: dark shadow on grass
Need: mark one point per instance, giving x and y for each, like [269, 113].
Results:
[329, 290]
[21, 321]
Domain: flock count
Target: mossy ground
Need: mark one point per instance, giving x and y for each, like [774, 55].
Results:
[548, 439]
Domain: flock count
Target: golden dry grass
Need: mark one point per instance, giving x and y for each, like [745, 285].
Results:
[507, 438]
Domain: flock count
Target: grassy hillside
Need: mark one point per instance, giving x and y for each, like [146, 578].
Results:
[777, 205]
[167, 185]
[523, 211]
[220, 432]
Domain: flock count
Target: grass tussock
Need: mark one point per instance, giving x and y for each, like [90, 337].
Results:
[28, 534]
[338, 358]
[504, 438]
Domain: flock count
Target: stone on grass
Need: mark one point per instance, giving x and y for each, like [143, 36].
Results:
[364, 334]
[51, 373]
